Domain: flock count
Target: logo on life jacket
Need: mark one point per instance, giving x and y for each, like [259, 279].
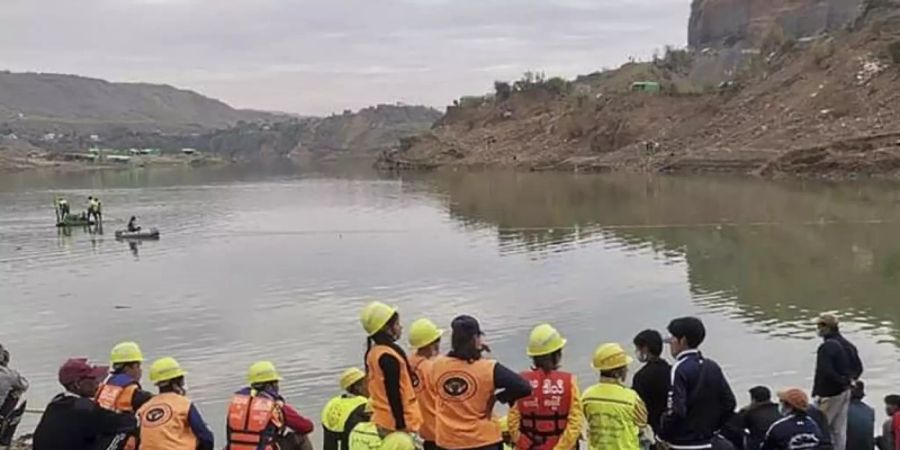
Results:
[157, 416]
[459, 386]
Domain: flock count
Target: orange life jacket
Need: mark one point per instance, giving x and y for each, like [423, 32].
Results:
[465, 393]
[164, 423]
[378, 398]
[118, 399]
[545, 413]
[254, 422]
[423, 368]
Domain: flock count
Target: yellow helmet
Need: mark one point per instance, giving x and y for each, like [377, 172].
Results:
[398, 441]
[375, 316]
[263, 372]
[544, 340]
[126, 352]
[610, 356]
[423, 333]
[504, 424]
[165, 369]
[350, 377]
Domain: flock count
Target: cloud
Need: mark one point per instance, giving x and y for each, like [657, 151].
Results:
[319, 56]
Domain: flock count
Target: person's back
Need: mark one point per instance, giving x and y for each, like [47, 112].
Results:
[341, 414]
[11, 382]
[364, 436]
[757, 421]
[860, 420]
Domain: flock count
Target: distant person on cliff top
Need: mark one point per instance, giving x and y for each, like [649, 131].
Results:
[837, 368]
[72, 420]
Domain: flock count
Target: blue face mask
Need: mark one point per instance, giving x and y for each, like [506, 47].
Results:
[783, 410]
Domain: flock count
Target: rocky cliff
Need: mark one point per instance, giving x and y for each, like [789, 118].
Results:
[725, 23]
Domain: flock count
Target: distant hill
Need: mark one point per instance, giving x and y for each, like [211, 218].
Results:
[70, 102]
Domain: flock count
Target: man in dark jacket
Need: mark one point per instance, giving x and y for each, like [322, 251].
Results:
[700, 400]
[651, 382]
[72, 421]
[796, 431]
[860, 420]
[837, 367]
[756, 418]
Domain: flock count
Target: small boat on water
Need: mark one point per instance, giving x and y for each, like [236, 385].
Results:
[75, 221]
[150, 234]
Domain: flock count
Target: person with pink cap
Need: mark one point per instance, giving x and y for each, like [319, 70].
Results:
[72, 420]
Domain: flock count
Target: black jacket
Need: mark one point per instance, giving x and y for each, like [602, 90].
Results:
[652, 385]
[75, 423]
[756, 421]
[700, 402]
[854, 364]
[833, 367]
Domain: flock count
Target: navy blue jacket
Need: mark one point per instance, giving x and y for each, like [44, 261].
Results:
[700, 402]
[795, 432]
[833, 368]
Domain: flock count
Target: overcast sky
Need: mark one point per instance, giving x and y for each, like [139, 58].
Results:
[321, 56]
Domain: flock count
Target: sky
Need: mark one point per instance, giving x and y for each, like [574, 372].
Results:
[322, 56]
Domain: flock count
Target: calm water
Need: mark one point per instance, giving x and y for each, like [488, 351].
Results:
[271, 265]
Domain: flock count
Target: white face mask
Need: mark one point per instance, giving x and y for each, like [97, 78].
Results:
[642, 357]
[783, 410]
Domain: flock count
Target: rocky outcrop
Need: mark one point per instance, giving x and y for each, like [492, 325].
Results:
[725, 23]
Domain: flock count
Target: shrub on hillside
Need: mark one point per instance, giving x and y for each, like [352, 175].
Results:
[503, 90]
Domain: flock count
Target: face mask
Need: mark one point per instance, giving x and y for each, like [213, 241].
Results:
[783, 410]
[642, 357]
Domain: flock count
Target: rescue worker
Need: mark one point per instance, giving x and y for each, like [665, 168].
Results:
[63, 207]
[550, 418]
[259, 417]
[170, 421]
[615, 414]
[467, 386]
[364, 435]
[796, 431]
[132, 225]
[425, 339]
[342, 413]
[390, 376]
[93, 208]
[122, 392]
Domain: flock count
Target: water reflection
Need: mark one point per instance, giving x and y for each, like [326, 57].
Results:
[771, 254]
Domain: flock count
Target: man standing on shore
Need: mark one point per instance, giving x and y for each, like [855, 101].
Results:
[837, 367]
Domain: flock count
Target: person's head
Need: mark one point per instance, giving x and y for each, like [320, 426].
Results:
[353, 380]
[126, 358]
[648, 345]
[612, 361]
[858, 391]
[168, 376]
[90, 198]
[827, 324]
[760, 395]
[425, 338]
[687, 333]
[545, 347]
[892, 404]
[381, 323]
[133, 218]
[793, 401]
[263, 376]
[466, 338]
[80, 378]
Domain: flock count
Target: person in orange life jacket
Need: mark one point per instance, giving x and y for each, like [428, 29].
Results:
[390, 376]
[169, 421]
[121, 392]
[259, 417]
[425, 339]
[467, 386]
[550, 418]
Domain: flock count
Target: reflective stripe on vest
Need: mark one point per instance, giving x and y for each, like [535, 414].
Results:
[254, 422]
[164, 423]
[545, 413]
[465, 392]
[381, 408]
[423, 368]
[364, 436]
[116, 398]
[609, 410]
[338, 411]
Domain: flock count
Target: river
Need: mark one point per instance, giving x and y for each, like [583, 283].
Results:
[276, 264]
